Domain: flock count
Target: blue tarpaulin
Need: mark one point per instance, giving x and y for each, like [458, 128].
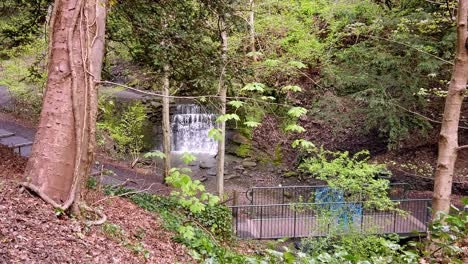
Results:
[333, 200]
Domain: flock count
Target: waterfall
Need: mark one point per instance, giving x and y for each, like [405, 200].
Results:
[190, 128]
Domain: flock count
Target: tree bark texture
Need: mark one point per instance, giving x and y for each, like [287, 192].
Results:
[222, 95]
[252, 29]
[448, 138]
[166, 124]
[63, 150]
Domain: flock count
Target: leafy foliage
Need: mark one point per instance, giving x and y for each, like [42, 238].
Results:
[24, 75]
[295, 128]
[352, 174]
[127, 131]
[297, 112]
[215, 133]
[227, 117]
[21, 21]
[154, 154]
[447, 232]
[236, 104]
[254, 87]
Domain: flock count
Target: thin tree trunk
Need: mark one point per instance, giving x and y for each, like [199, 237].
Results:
[166, 124]
[252, 29]
[448, 139]
[222, 93]
[63, 150]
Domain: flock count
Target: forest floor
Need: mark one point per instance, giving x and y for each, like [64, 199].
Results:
[30, 231]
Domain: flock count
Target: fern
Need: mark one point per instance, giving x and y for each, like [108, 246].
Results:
[297, 112]
[292, 88]
[236, 104]
[295, 128]
[254, 87]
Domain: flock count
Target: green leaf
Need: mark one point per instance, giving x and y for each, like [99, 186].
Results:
[187, 158]
[215, 133]
[226, 117]
[271, 63]
[266, 98]
[305, 144]
[154, 154]
[236, 104]
[254, 53]
[187, 232]
[464, 200]
[295, 128]
[213, 200]
[254, 87]
[288, 257]
[251, 124]
[292, 88]
[297, 64]
[297, 112]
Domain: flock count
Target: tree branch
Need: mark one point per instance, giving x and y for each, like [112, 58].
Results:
[411, 47]
[100, 221]
[124, 194]
[462, 147]
[191, 97]
[423, 116]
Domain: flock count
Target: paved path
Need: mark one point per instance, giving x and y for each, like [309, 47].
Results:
[273, 228]
[19, 144]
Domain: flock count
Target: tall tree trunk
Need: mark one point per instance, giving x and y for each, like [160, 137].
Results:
[252, 29]
[63, 150]
[448, 139]
[166, 124]
[222, 95]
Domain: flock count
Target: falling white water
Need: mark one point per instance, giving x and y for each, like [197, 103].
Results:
[190, 128]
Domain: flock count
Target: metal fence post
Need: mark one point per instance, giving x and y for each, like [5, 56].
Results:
[294, 234]
[362, 217]
[282, 207]
[261, 221]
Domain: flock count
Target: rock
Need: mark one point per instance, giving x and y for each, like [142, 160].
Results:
[239, 168]
[240, 139]
[249, 164]
[231, 176]
[203, 179]
[211, 173]
[290, 174]
[155, 104]
[231, 149]
[205, 165]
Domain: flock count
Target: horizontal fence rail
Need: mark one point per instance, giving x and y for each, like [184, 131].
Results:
[306, 194]
[297, 220]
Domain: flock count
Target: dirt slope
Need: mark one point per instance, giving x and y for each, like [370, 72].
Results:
[30, 232]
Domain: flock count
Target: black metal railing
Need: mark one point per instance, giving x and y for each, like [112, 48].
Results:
[306, 194]
[296, 220]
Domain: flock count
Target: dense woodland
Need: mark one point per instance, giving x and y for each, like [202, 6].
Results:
[350, 99]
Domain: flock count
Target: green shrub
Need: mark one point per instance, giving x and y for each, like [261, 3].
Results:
[218, 219]
[448, 236]
[360, 246]
[24, 74]
[243, 151]
[354, 175]
[125, 129]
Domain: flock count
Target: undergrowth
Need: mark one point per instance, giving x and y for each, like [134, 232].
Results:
[206, 234]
